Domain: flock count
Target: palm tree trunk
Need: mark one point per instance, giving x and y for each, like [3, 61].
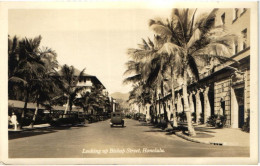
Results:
[67, 106]
[175, 123]
[159, 109]
[163, 104]
[35, 114]
[186, 105]
[24, 108]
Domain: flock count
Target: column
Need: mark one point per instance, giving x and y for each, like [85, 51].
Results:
[148, 116]
[178, 107]
[198, 106]
[206, 104]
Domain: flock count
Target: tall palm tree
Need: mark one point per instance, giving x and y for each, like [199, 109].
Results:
[44, 86]
[68, 85]
[13, 56]
[189, 38]
[144, 68]
[158, 73]
[28, 66]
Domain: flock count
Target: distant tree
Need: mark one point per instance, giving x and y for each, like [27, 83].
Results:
[68, 85]
[93, 100]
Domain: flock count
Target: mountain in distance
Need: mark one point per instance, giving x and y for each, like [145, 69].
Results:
[121, 99]
[119, 95]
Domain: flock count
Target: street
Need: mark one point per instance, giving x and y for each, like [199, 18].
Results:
[136, 139]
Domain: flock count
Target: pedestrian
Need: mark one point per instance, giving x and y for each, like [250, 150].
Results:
[14, 121]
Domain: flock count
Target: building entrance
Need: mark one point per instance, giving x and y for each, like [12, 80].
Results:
[240, 101]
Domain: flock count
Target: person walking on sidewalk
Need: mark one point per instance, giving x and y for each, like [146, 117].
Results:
[14, 121]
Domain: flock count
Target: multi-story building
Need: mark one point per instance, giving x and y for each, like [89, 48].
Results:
[232, 89]
[224, 88]
[88, 81]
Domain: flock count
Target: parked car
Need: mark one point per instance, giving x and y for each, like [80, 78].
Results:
[117, 119]
[142, 118]
[68, 119]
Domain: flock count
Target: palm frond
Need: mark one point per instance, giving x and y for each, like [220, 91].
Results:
[132, 67]
[193, 67]
[132, 79]
[17, 80]
[139, 54]
[151, 44]
[174, 51]
[160, 28]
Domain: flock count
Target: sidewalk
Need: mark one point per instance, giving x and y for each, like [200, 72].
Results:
[26, 128]
[218, 136]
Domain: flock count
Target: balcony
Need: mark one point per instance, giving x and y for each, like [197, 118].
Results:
[82, 83]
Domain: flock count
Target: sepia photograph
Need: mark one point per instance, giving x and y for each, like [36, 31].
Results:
[129, 83]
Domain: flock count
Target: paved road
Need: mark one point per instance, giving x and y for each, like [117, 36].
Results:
[99, 140]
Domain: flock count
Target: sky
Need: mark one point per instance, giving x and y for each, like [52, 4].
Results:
[95, 39]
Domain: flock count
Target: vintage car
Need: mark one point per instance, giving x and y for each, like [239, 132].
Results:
[117, 119]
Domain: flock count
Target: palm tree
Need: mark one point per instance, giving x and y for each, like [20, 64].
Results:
[69, 86]
[139, 95]
[44, 86]
[13, 56]
[28, 66]
[93, 100]
[189, 38]
[158, 69]
[143, 68]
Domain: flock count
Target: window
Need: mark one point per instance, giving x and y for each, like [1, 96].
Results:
[223, 18]
[244, 32]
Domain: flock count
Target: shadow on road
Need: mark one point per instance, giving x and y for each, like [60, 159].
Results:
[118, 127]
[40, 131]
[205, 129]
[201, 135]
[29, 133]
[156, 131]
[143, 124]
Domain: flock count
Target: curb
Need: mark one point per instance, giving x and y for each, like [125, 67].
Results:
[179, 134]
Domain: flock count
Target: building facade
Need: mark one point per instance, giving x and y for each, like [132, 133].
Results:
[223, 89]
[232, 89]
